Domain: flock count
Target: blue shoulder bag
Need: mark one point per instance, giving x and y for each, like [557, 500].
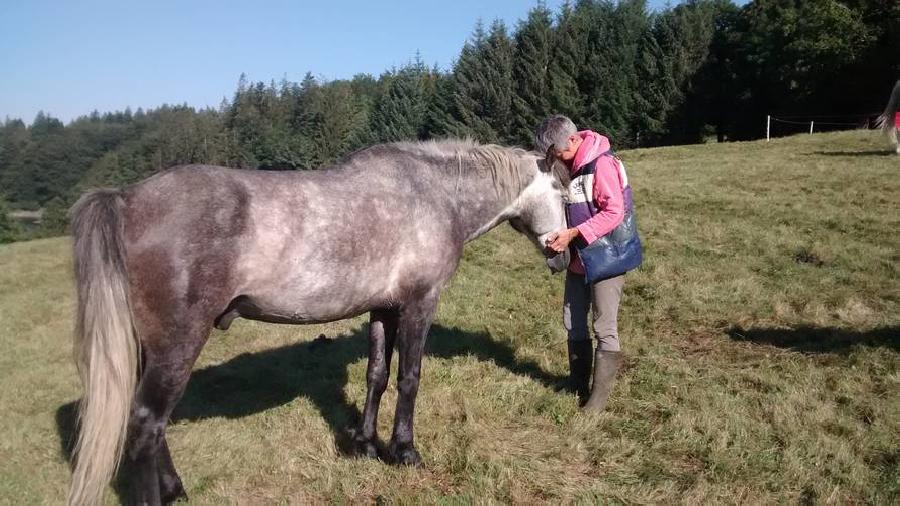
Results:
[616, 252]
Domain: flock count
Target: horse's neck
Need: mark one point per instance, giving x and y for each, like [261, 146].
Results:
[482, 210]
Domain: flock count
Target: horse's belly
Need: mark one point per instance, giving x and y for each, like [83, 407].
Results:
[308, 314]
[312, 305]
[312, 286]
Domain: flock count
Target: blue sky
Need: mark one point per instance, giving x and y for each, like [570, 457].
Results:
[71, 57]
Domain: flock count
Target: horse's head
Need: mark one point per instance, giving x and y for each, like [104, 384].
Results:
[540, 210]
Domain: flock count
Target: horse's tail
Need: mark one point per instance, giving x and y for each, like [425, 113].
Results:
[107, 351]
[886, 120]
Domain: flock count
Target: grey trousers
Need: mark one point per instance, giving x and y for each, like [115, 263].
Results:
[603, 297]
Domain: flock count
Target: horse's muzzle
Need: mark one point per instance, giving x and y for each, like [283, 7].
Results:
[558, 262]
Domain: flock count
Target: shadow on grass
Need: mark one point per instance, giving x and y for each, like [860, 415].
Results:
[873, 152]
[254, 382]
[819, 339]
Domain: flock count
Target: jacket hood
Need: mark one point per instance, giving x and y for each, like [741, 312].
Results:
[592, 146]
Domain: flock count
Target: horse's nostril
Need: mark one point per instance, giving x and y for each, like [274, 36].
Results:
[558, 263]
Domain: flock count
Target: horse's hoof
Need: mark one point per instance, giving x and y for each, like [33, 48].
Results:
[405, 454]
[170, 488]
[172, 493]
[365, 448]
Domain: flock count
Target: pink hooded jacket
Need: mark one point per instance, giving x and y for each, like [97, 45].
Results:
[608, 188]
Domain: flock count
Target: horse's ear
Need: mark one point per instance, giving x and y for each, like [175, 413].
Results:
[546, 165]
[559, 171]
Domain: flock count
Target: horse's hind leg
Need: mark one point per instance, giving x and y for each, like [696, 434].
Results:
[165, 374]
[382, 331]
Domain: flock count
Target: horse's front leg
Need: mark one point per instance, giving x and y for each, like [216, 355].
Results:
[415, 320]
[382, 332]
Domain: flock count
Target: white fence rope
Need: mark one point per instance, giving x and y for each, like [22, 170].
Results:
[812, 121]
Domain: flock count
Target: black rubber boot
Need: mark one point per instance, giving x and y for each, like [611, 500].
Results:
[606, 365]
[580, 361]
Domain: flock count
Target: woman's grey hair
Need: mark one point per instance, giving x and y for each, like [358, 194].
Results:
[554, 131]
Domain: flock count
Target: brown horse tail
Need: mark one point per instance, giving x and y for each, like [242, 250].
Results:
[107, 351]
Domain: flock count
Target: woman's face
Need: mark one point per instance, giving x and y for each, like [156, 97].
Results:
[572, 144]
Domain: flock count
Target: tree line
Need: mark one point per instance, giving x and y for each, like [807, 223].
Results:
[701, 70]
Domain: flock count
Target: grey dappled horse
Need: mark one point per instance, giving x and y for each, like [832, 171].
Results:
[161, 262]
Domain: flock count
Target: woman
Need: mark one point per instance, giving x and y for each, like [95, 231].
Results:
[597, 205]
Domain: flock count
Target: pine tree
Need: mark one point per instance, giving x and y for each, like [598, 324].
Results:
[655, 86]
[465, 114]
[245, 123]
[531, 101]
[46, 163]
[610, 78]
[439, 106]
[401, 112]
[14, 139]
[55, 220]
[566, 62]
[497, 82]
[338, 120]
[684, 40]
[304, 122]
[481, 104]
[9, 230]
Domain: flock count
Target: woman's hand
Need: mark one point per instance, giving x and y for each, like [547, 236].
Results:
[559, 241]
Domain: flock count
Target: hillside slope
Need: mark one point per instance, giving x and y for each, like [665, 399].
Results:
[762, 339]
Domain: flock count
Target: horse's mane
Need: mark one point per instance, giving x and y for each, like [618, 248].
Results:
[502, 164]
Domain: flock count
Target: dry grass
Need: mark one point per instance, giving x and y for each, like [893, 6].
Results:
[762, 334]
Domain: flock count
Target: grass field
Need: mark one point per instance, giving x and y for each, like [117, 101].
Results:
[762, 338]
